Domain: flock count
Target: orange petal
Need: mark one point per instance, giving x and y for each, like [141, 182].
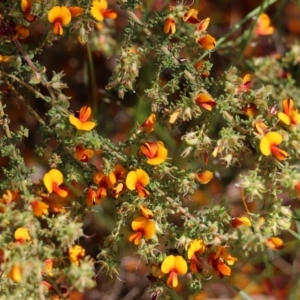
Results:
[75, 11]
[235, 222]
[223, 268]
[204, 177]
[84, 113]
[208, 42]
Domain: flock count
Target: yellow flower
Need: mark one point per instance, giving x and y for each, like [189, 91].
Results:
[59, 15]
[26, 6]
[274, 243]
[39, 208]
[146, 212]
[203, 24]
[268, 145]
[137, 180]
[148, 125]
[191, 16]
[144, 228]
[52, 180]
[196, 248]
[83, 154]
[236, 222]
[174, 265]
[76, 253]
[208, 42]
[155, 151]
[205, 101]
[170, 26]
[263, 26]
[80, 120]
[290, 114]
[204, 177]
[22, 235]
[15, 273]
[99, 10]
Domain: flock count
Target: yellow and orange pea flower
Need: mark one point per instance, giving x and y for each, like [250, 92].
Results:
[119, 186]
[205, 101]
[174, 265]
[155, 151]
[146, 212]
[59, 16]
[22, 235]
[15, 273]
[148, 125]
[274, 243]
[260, 127]
[83, 154]
[196, 249]
[22, 32]
[39, 208]
[144, 228]
[250, 110]
[52, 181]
[203, 24]
[290, 115]
[100, 12]
[191, 16]
[76, 253]
[199, 67]
[104, 182]
[268, 145]
[26, 6]
[207, 42]
[220, 260]
[263, 26]
[246, 83]
[75, 11]
[48, 267]
[238, 221]
[170, 25]
[80, 120]
[137, 180]
[9, 196]
[204, 177]
[56, 205]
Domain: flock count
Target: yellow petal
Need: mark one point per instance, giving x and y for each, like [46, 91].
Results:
[15, 273]
[180, 265]
[48, 182]
[168, 264]
[75, 121]
[274, 138]
[284, 118]
[149, 229]
[142, 177]
[265, 146]
[87, 126]
[53, 14]
[204, 177]
[56, 176]
[131, 180]
[22, 234]
[65, 15]
[161, 156]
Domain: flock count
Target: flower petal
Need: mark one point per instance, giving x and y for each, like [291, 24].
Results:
[131, 180]
[53, 14]
[75, 121]
[142, 177]
[180, 265]
[84, 113]
[168, 264]
[265, 146]
[284, 118]
[149, 229]
[56, 176]
[48, 182]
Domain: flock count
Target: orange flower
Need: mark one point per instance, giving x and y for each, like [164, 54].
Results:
[191, 16]
[15, 273]
[199, 67]
[219, 259]
[59, 15]
[263, 25]
[290, 114]
[236, 222]
[174, 265]
[9, 196]
[251, 110]
[56, 205]
[48, 267]
[22, 235]
[170, 26]
[148, 125]
[22, 32]
[39, 208]
[75, 11]
[76, 253]
[155, 151]
[268, 145]
[100, 12]
[274, 243]
[26, 6]
[204, 177]
[146, 212]
[246, 83]
[80, 120]
[260, 127]
[104, 182]
[52, 180]
[208, 42]
[196, 248]
[137, 180]
[297, 187]
[205, 101]
[144, 228]
[202, 26]
[83, 154]
[92, 197]
[120, 186]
